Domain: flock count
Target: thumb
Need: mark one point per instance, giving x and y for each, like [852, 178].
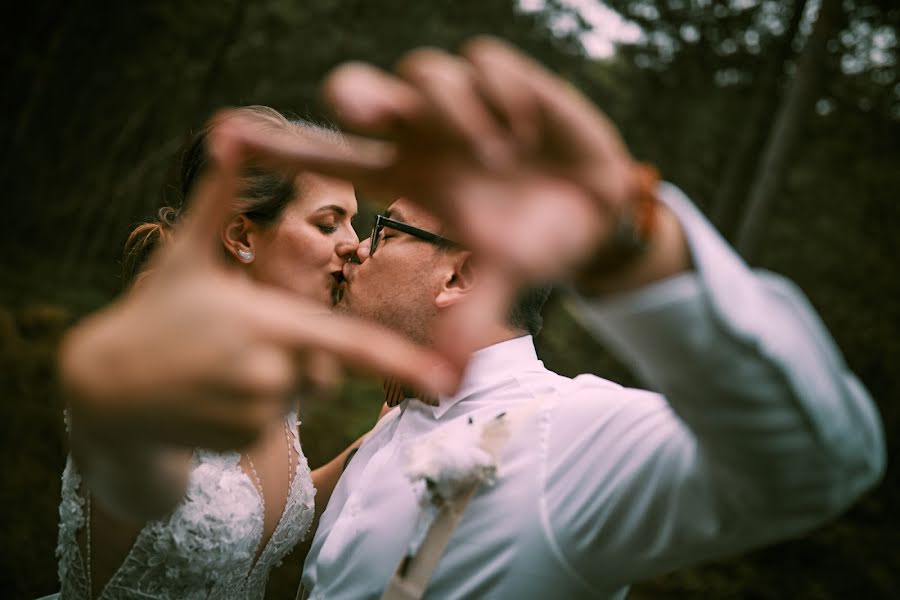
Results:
[214, 196]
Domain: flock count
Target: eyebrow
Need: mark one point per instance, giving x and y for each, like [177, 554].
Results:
[338, 210]
[397, 215]
[393, 214]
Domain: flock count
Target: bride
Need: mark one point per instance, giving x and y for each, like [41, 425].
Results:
[152, 381]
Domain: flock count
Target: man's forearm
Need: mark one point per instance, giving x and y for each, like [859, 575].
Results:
[747, 365]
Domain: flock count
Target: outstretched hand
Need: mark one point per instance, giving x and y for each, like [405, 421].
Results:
[203, 356]
[523, 166]
[528, 173]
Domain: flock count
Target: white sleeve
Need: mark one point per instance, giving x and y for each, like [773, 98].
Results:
[762, 432]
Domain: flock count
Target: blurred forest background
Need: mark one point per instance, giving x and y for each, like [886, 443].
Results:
[780, 118]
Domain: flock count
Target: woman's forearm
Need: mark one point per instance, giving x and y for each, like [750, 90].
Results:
[325, 478]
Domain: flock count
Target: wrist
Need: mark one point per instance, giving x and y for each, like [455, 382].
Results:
[647, 245]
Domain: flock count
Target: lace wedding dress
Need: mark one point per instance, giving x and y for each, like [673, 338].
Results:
[205, 548]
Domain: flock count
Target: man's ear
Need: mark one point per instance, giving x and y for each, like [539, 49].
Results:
[459, 279]
[238, 237]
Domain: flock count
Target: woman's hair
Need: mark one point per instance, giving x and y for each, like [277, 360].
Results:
[143, 240]
[263, 197]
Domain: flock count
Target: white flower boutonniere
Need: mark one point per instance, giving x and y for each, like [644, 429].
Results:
[449, 462]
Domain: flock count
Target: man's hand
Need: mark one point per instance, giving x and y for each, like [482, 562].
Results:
[198, 354]
[527, 171]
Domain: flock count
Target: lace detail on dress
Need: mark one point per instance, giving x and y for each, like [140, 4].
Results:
[205, 548]
[70, 567]
[295, 520]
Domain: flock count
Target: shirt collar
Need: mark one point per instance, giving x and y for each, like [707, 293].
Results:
[487, 366]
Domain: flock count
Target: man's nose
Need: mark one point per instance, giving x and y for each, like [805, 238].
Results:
[363, 250]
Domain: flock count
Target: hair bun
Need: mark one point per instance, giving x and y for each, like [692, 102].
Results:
[144, 240]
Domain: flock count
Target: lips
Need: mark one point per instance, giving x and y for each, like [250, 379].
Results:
[347, 272]
[337, 288]
[341, 281]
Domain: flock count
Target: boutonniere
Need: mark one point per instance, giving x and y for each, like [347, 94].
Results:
[449, 462]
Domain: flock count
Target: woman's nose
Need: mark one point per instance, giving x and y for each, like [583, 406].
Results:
[347, 247]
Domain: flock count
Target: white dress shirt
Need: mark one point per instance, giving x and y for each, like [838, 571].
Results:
[761, 433]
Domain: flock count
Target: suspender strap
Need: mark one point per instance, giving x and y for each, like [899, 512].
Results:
[412, 575]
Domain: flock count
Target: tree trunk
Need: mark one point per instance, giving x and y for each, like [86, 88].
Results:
[732, 188]
[800, 98]
[230, 36]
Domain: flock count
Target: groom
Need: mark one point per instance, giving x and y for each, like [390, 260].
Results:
[759, 432]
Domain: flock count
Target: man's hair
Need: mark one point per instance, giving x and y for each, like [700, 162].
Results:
[525, 312]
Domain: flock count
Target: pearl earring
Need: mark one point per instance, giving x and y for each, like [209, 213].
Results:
[245, 255]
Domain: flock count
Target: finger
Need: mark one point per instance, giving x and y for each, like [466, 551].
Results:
[455, 105]
[355, 342]
[536, 225]
[576, 135]
[553, 225]
[370, 101]
[235, 140]
[213, 196]
[375, 349]
[357, 159]
[498, 59]
[490, 50]
[567, 110]
[323, 370]
[319, 374]
[265, 370]
[507, 90]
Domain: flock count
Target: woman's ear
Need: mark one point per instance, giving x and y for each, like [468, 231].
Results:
[459, 279]
[238, 237]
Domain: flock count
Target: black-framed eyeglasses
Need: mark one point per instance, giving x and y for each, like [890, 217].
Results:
[382, 221]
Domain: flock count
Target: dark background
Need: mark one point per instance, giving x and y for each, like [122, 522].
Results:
[781, 119]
